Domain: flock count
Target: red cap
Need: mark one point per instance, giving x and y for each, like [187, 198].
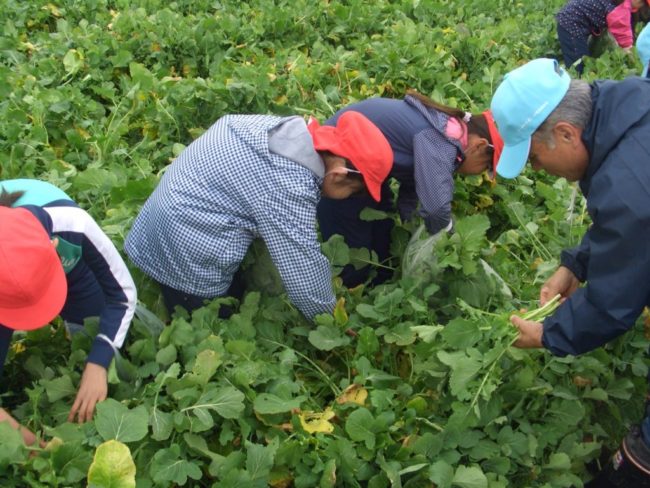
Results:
[496, 140]
[34, 286]
[357, 139]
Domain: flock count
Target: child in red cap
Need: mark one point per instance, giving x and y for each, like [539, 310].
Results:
[55, 260]
[431, 143]
[247, 177]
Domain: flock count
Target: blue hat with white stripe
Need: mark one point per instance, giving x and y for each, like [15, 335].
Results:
[523, 100]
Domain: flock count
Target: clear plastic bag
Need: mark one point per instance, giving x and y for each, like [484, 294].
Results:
[419, 260]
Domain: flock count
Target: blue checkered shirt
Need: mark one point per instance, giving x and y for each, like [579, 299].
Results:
[224, 190]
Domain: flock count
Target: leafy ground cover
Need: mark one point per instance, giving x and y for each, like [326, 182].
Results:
[412, 383]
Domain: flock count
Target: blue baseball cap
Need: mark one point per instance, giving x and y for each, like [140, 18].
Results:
[523, 100]
[643, 49]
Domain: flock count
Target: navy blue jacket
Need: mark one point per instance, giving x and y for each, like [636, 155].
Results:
[614, 255]
[99, 283]
[424, 158]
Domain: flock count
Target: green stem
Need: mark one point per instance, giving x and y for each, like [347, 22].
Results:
[540, 313]
[487, 375]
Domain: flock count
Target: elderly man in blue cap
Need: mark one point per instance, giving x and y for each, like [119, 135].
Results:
[596, 134]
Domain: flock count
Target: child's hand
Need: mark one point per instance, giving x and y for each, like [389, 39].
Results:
[92, 389]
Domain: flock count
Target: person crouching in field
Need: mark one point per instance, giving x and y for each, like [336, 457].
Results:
[55, 260]
[431, 143]
[251, 176]
[595, 134]
[580, 19]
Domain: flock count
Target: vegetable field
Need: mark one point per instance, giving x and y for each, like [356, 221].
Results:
[412, 383]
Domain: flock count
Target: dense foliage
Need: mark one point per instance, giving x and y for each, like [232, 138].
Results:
[412, 383]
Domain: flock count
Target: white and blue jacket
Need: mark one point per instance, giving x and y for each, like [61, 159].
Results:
[99, 283]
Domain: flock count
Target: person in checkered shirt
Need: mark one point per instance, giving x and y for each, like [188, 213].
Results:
[248, 177]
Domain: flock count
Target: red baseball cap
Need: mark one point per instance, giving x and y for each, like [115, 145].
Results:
[34, 286]
[357, 139]
[496, 141]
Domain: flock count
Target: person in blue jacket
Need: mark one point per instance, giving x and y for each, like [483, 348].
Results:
[596, 134]
[431, 143]
[82, 275]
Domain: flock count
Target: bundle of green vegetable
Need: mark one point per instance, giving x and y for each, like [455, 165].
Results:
[511, 335]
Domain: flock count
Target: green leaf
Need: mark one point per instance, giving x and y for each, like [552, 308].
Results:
[369, 214]
[621, 389]
[469, 477]
[463, 370]
[266, 404]
[161, 424]
[206, 365]
[112, 467]
[461, 333]
[259, 459]
[142, 76]
[328, 478]
[566, 412]
[227, 402]
[441, 473]
[168, 466]
[199, 444]
[336, 250]
[72, 61]
[121, 59]
[71, 462]
[12, 448]
[401, 334]
[367, 342]
[59, 388]
[167, 355]
[472, 231]
[369, 312]
[152, 323]
[327, 338]
[427, 333]
[360, 427]
[559, 461]
[115, 421]
[596, 394]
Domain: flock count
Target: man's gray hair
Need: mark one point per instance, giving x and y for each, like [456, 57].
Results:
[575, 108]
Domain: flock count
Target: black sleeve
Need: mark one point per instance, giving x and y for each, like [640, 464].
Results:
[5, 340]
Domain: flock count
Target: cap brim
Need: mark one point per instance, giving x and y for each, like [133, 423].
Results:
[40, 313]
[373, 187]
[513, 159]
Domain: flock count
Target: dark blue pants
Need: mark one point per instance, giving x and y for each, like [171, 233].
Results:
[173, 298]
[573, 49]
[343, 217]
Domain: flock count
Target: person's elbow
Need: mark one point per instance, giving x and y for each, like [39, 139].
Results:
[311, 306]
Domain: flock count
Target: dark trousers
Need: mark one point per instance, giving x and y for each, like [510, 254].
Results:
[573, 49]
[343, 217]
[175, 298]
